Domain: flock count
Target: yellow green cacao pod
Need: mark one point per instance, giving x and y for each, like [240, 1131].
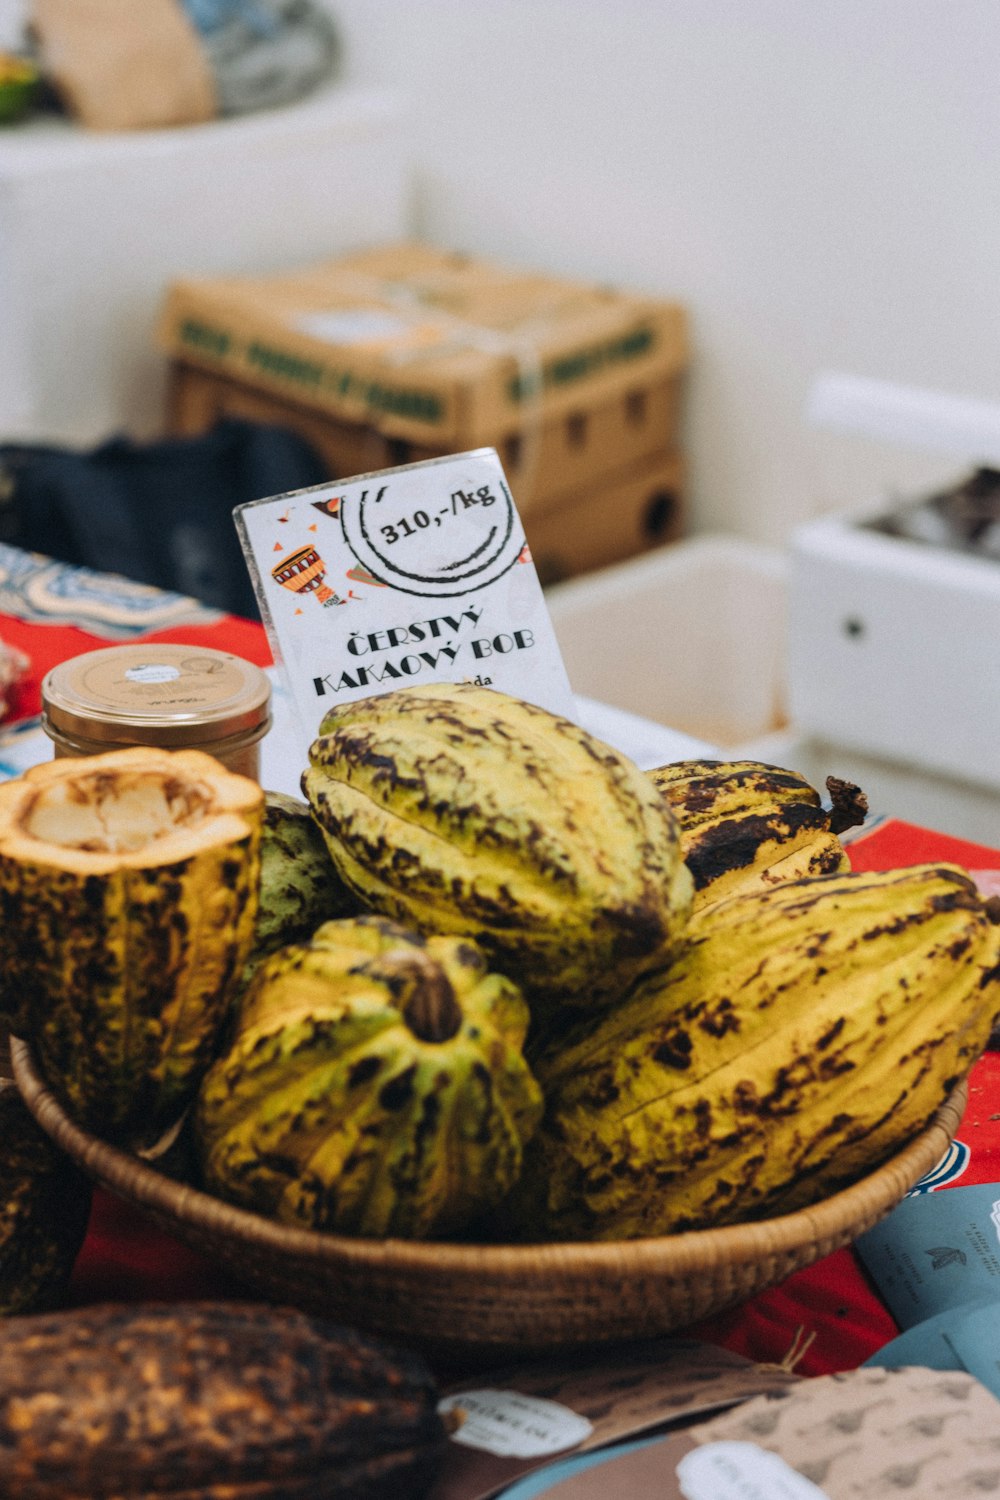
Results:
[375, 1085]
[459, 809]
[128, 895]
[746, 825]
[805, 1034]
[299, 885]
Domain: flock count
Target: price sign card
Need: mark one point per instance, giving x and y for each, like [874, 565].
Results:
[411, 575]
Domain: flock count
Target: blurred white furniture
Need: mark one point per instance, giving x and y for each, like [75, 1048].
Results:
[692, 635]
[893, 642]
[93, 226]
[894, 648]
[697, 636]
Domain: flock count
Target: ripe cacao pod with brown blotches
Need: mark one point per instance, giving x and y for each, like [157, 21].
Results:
[210, 1401]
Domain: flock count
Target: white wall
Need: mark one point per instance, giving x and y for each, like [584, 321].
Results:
[819, 180]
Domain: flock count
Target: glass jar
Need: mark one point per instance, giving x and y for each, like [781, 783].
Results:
[173, 697]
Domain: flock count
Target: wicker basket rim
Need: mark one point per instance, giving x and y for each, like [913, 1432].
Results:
[836, 1219]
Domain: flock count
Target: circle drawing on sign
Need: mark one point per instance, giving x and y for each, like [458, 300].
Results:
[435, 542]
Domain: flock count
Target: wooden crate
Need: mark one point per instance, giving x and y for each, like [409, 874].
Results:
[404, 351]
[543, 464]
[626, 514]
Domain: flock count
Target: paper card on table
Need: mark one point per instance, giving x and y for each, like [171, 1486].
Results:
[868, 1432]
[625, 1470]
[928, 1343]
[521, 1418]
[936, 1251]
[874, 1433]
[675, 1467]
[974, 1335]
[408, 575]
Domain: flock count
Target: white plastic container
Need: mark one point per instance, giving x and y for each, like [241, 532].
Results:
[894, 648]
[691, 636]
[93, 225]
[694, 638]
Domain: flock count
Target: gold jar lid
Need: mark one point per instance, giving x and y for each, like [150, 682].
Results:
[171, 696]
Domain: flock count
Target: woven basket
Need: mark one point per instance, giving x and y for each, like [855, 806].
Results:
[485, 1300]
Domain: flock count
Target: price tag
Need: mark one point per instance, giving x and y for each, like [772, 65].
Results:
[515, 1424]
[411, 575]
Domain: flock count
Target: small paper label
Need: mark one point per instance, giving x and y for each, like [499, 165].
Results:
[741, 1471]
[413, 575]
[153, 674]
[512, 1425]
[354, 326]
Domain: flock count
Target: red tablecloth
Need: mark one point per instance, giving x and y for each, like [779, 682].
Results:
[828, 1313]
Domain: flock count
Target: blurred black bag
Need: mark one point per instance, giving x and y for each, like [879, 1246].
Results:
[159, 512]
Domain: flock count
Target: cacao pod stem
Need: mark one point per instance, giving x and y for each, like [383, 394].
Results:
[849, 804]
[423, 992]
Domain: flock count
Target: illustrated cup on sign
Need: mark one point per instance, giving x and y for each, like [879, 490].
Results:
[303, 572]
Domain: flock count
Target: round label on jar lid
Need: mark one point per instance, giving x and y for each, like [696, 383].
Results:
[151, 672]
[165, 694]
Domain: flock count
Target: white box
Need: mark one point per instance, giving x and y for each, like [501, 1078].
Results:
[690, 636]
[894, 648]
[94, 225]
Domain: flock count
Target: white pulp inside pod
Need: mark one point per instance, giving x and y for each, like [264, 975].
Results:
[117, 812]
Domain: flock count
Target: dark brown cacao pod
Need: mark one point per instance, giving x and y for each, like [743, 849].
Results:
[205, 1400]
[44, 1208]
